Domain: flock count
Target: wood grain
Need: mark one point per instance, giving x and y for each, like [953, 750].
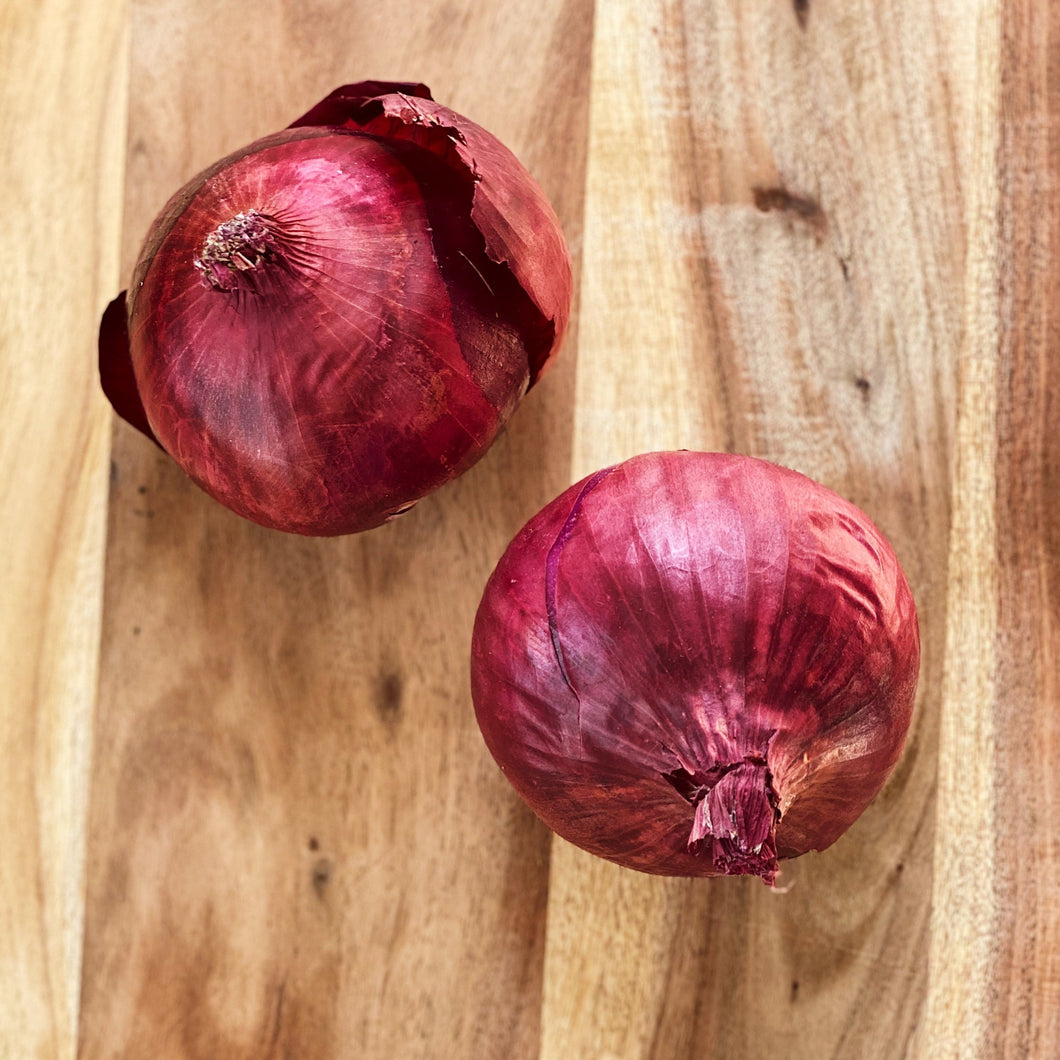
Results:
[1024, 996]
[773, 263]
[995, 985]
[62, 106]
[956, 1019]
[298, 843]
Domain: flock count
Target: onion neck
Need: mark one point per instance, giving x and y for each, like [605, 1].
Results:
[735, 822]
[234, 252]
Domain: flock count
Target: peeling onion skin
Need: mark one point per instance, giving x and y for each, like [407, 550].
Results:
[697, 664]
[334, 321]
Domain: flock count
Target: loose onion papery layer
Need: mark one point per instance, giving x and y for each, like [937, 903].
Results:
[517, 223]
[695, 664]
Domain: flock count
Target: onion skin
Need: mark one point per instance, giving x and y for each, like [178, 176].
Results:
[334, 321]
[697, 664]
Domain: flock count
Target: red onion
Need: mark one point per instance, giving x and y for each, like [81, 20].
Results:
[695, 664]
[330, 323]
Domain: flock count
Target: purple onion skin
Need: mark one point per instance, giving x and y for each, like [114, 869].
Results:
[334, 321]
[696, 664]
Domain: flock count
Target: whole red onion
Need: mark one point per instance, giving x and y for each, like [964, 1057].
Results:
[694, 664]
[334, 321]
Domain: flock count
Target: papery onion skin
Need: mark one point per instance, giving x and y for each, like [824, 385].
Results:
[334, 321]
[697, 664]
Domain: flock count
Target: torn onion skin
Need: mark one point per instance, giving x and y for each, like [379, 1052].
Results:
[329, 324]
[697, 664]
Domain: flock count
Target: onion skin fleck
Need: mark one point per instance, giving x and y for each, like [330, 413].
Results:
[334, 321]
[697, 664]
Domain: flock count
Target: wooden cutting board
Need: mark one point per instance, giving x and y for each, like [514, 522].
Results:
[246, 811]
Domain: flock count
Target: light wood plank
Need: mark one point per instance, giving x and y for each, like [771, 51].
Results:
[299, 845]
[995, 974]
[773, 264]
[957, 1016]
[62, 111]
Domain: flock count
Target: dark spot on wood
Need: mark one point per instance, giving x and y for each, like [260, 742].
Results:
[794, 990]
[321, 876]
[802, 12]
[314, 843]
[141, 490]
[899, 868]
[863, 385]
[844, 264]
[388, 699]
[806, 209]
[136, 631]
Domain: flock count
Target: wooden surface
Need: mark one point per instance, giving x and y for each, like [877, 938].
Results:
[62, 120]
[245, 810]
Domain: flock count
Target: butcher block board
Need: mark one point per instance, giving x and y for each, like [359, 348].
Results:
[245, 811]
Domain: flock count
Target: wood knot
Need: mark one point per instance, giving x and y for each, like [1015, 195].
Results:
[390, 692]
[803, 207]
